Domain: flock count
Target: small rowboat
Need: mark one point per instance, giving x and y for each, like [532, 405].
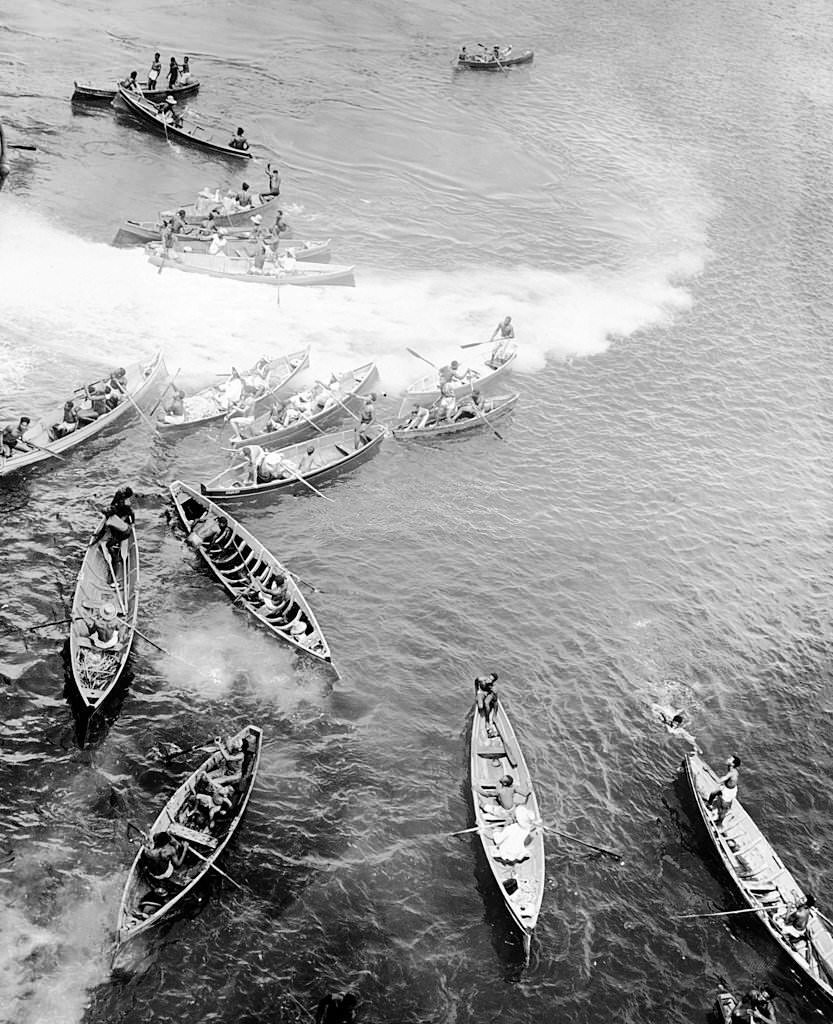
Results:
[496, 409]
[103, 580]
[486, 60]
[336, 452]
[240, 562]
[521, 884]
[86, 92]
[144, 384]
[352, 387]
[760, 876]
[239, 246]
[242, 268]
[192, 134]
[144, 903]
[427, 388]
[202, 407]
[140, 232]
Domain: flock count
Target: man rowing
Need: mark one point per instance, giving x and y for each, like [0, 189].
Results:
[505, 348]
[131, 84]
[505, 798]
[99, 628]
[486, 701]
[12, 438]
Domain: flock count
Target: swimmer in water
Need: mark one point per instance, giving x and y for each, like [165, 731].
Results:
[673, 720]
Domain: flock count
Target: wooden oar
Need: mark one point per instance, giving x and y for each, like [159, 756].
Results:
[343, 406]
[211, 864]
[464, 831]
[40, 448]
[144, 415]
[724, 913]
[581, 842]
[482, 416]
[42, 625]
[159, 401]
[105, 554]
[300, 579]
[474, 344]
[493, 57]
[20, 145]
[414, 353]
[306, 483]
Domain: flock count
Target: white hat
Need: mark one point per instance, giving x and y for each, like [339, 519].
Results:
[258, 217]
[107, 611]
[170, 99]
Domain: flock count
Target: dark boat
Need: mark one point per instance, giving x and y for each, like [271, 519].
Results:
[191, 134]
[144, 384]
[337, 454]
[353, 387]
[86, 92]
[760, 876]
[486, 61]
[103, 581]
[144, 904]
[496, 409]
[241, 563]
[140, 232]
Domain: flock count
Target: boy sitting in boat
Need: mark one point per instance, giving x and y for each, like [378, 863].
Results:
[504, 799]
[99, 628]
[239, 141]
[68, 424]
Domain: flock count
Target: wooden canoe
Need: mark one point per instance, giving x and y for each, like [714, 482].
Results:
[242, 268]
[144, 385]
[202, 408]
[338, 454]
[237, 241]
[497, 409]
[95, 672]
[140, 232]
[86, 92]
[760, 876]
[210, 843]
[427, 388]
[492, 758]
[353, 387]
[485, 61]
[191, 133]
[238, 560]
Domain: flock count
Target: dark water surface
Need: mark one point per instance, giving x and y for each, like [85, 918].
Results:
[650, 200]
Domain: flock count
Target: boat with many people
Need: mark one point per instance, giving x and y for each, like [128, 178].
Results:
[105, 607]
[86, 92]
[81, 419]
[234, 223]
[190, 833]
[253, 576]
[482, 376]
[491, 411]
[307, 251]
[291, 470]
[186, 131]
[493, 58]
[270, 379]
[764, 882]
[274, 269]
[512, 843]
[309, 413]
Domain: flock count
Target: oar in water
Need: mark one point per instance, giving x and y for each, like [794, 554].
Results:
[306, 483]
[20, 145]
[300, 579]
[581, 842]
[41, 625]
[474, 344]
[464, 831]
[219, 871]
[169, 384]
[482, 416]
[493, 56]
[41, 448]
[725, 913]
[143, 414]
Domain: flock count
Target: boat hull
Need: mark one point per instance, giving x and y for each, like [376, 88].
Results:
[145, 112]
[427, 388]
[145, 384]
[223, 491]
[503, 406]
[84, 92]
[241, 268]
[95, 673]
[489, 760]
[509, 61]
[354, 386]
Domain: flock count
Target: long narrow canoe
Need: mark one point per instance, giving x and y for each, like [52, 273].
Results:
[761, 877]
[145, 383]
[353, 386]
[242, 268]
[238, 560]
[427, 388]
[86, 92]
[497, 408]
[140, 232]
[491, 758]
[202, 408]
[237, 241]
[191, 133]
[338, 453]
[144, 903]
[486, 61]
[103, 579]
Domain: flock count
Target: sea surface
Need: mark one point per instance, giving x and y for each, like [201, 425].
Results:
[651, 202]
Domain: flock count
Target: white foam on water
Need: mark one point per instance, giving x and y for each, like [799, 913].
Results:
[69, 297]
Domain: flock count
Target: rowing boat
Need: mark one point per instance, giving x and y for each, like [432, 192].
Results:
[427, 388]
[140, 232]
[203, 407]
[521, 884]
[496, 408]
[144, 385]
[144, 902]
[238, 242]
[241, 563]
[351, 391]
[242, 268]
[335, 453]
[86, 92]
[104, 579]
[190, 133]
[762, 879]
[487, 62]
